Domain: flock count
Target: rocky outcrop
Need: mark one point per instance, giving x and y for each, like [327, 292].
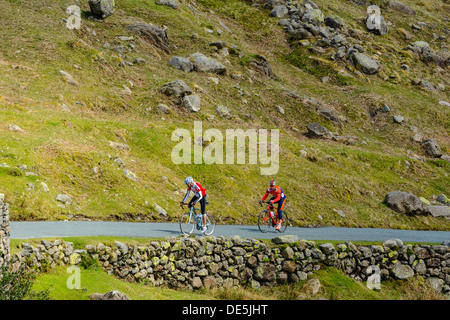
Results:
[152, 34]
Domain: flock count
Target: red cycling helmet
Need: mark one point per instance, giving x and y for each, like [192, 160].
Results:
[272, 182]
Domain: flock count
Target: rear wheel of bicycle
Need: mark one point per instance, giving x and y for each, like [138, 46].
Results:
[210, 224]
[285, 223]
[264, 221]
[187, 223]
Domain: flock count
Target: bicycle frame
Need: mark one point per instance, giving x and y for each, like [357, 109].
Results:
[271, 208]
[197, 218]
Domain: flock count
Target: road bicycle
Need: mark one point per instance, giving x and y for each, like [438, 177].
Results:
[193, 219]
[268, 219]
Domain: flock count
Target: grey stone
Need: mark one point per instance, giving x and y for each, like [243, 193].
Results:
[316, 130]
[206, 64]
[170, 3]
[279, 11]
[432, 148]
[176, 89]
[364, 63]
[110, 295]
[181, 63]
[404, 202]
[101, 8]
[191, 102]
[402, 271]
[286, 239]
[64, 198]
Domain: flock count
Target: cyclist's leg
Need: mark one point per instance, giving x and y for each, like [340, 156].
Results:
[280, 208]
[203, 208]
[193, 200]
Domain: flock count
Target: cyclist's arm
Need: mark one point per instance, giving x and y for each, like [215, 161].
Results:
[265, 196]
[186, 196]
[200, 196]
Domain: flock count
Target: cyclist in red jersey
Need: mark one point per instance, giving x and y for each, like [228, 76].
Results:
[278, 196]
[199, 196]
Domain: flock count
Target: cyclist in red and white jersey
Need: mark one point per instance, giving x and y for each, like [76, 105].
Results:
[199, 196]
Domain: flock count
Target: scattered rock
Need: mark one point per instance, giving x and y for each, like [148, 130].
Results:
[224, 111]
[64, 198]
[130, 175]
[160, 210]
[316, 130]
[163, 108]
[68, 78]
[110, 295]
[404, 202]
[312, 286]
[181, 63]
[191, 102]
[176, 89]
[314, 16]
[401, 7]
[170, 3]
[364, 63]
[261, 64]
[206, 64]
[152, 34]
[15, 128]
[279, 11]
[334, 21]
[432, 148]
[101, 8]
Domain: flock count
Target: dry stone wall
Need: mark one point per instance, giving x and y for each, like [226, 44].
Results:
[4, 230]
[193, 263]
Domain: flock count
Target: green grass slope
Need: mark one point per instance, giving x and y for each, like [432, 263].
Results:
[67, 129]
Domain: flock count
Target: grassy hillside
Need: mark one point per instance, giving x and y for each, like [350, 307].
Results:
[67, 130]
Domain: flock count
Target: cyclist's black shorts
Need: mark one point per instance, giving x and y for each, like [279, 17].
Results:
[202, 203]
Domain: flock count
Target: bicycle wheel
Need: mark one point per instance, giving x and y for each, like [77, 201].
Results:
[285, 223]
[264, 221]
[210, 224]
[187, 223]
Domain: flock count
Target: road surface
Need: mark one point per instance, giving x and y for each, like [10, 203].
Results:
[47, 229]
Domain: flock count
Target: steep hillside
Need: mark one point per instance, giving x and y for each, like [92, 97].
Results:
[81, 110]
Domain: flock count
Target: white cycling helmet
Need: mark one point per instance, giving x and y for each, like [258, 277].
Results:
[188, 180]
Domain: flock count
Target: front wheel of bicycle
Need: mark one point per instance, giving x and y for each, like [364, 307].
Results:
[264, 221]
[285, 223]
[210, 224]
[187, 223]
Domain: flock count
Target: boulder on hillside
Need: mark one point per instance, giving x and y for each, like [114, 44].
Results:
[432, 148]
[184, 64]
[408, 203]
[364, 63]
[401, 7]
[404, 202]
[176, 89]
[206, 64]
[260, 64]
[152, 34]
[170, 3]
[316, 130]
[101, 8]
[314, 16]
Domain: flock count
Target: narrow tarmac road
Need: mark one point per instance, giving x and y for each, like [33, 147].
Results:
[47, 229]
